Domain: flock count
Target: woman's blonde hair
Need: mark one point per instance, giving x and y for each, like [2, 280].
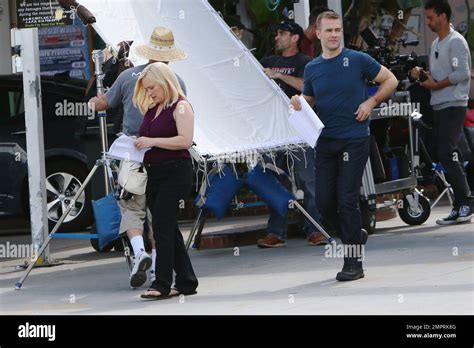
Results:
[163, 76]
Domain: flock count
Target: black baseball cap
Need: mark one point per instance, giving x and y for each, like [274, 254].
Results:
[290, 26]
[234, 21]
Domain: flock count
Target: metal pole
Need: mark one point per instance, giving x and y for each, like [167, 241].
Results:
[45, 246]
[365, 186]
[310, 218]
[99, 58]
[193, 230]
[5, 38]
[302, 13]
[412, 140]
[371, 185]
[34, 141]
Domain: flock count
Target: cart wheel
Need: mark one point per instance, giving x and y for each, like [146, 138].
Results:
[95, 245]
[118, 245]
[368, 218]
[417, 216]
[95, 242]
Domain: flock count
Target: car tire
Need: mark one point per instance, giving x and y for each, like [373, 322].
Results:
[60, 172]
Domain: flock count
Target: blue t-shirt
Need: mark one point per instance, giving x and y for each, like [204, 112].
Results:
[339, 86]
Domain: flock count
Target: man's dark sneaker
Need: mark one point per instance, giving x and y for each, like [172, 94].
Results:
[451, 219]
[352, 270]
[465, 214]
[270, 241]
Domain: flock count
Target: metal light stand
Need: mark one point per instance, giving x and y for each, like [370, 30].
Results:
[98, 57]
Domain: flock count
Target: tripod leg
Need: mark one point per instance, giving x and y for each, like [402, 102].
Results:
[126, 252]
[193, 230]
[197, 240]
[19, 284]
[310, 218]
[446, 190]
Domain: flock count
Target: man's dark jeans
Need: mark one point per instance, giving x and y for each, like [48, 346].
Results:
[306, 181]
[340, 164]
[447, 129]
[168, 184]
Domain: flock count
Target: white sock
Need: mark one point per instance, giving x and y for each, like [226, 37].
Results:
[138, 245]
[153, 259]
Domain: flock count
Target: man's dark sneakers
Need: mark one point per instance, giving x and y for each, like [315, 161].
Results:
[457, 216]
[352, 270]
[465, 214]
[450, 219]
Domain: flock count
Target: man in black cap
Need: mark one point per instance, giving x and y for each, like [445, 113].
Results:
[287, 70]
[236, 26]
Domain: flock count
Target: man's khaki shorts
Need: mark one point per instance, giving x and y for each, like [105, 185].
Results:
[134, 212]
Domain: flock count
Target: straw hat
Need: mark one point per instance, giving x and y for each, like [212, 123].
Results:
[161, 47]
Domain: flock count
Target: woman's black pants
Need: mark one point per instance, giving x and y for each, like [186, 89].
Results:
[169, 184]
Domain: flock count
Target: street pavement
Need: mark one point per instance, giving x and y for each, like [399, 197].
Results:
[425, 269]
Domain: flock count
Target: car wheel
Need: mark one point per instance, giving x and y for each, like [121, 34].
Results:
[63, 179]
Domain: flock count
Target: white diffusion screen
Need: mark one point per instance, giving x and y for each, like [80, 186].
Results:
[237, 107]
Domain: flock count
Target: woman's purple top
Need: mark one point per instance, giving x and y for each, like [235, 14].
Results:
[163, 126]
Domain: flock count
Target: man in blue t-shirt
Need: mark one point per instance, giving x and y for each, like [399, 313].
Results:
[335, 85]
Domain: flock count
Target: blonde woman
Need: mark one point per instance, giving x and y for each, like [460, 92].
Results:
[167, 129]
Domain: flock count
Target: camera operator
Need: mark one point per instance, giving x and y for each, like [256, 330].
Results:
[449, 81]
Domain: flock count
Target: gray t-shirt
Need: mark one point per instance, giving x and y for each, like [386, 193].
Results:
[122, 92]
[453, 62]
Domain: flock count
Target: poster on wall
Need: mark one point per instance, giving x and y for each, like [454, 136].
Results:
[65, 49]
[40, 14]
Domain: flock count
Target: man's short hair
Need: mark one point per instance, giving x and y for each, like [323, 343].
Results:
[439, 7]
[315, 13]
[327, 15]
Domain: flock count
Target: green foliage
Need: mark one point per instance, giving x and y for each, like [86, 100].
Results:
[263, 14]
[407, 4]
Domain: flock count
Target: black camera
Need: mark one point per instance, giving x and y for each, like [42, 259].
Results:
[384, 51]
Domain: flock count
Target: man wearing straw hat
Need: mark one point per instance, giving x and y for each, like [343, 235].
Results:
[161, 48]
